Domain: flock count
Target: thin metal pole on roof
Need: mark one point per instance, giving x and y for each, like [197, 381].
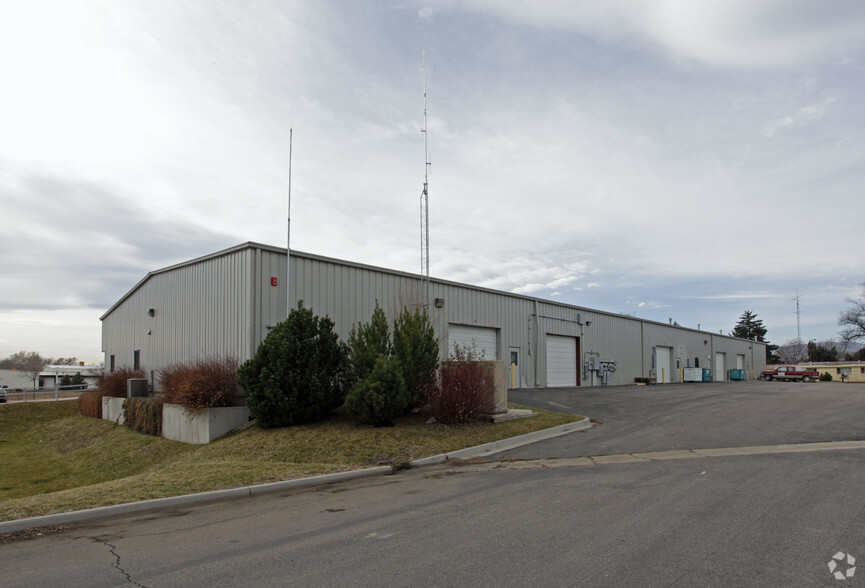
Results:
[288, 235]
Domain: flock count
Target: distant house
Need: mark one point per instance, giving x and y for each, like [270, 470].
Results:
[50, 376]
[852, 371]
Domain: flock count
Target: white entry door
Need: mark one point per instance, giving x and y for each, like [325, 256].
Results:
[719, 367]
[663, 369]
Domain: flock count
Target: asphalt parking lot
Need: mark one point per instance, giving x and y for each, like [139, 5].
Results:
[705, 520]
[698, 416]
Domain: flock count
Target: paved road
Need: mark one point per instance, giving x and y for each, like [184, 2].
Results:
[696, 416]
[747, 520]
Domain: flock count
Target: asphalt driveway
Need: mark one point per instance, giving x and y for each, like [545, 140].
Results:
[698, 416]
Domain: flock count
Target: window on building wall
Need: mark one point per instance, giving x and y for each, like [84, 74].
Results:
[111, 364]
[837, 370]
[136, 359]
[862, 370]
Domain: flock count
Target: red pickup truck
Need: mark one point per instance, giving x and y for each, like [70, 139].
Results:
[789, 373]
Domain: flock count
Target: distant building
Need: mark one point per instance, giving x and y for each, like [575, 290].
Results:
[50, 376]
[226, 303]
[847, 371]
[15, 379]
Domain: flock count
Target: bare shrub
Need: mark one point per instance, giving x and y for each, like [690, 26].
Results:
[144, 415]
[206, 383]
[90, 404]
[464, 390]
[114, 383]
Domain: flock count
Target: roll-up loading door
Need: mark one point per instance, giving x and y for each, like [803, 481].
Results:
[561, 361]
[483, 339]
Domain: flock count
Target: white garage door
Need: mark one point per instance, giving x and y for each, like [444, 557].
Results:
[740, 361]
[481, 338]
[561, 361]
[663, 371]
[719, 367]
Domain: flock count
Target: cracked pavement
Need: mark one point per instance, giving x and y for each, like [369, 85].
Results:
[643, 499]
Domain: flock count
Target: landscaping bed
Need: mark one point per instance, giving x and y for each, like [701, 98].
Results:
[56, 461]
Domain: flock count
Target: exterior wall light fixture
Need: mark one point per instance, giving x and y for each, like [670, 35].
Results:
[440, 302]
[151, 312]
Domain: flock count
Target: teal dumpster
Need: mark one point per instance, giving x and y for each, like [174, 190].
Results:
[707, 375]
[737, 374]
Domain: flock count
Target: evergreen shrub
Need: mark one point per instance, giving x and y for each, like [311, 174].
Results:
[298, 372]
[416, 348]
[825, 377]
[381, 395]
[366, 343]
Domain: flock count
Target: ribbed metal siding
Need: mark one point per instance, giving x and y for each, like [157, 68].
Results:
[224, 304]
[200, 310]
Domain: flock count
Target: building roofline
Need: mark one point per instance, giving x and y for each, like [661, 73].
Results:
[316, 257]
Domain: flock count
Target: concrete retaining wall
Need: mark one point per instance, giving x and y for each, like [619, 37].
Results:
[112, 409]
[178, 424]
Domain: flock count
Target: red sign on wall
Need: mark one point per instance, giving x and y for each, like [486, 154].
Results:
[273, 281]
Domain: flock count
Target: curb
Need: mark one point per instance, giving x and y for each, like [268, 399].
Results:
[101, 512]
[505, 444]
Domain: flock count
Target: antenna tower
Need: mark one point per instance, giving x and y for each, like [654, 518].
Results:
[424, 198]
[798, 319]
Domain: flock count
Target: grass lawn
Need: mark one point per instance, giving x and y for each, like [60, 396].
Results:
[53, 460]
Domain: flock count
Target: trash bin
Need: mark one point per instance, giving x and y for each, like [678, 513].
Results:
[707, 375]
[737, 374]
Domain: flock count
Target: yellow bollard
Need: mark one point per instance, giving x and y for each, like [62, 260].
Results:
[513, 375]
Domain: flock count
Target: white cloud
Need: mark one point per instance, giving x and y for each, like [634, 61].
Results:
[802, 116]
[599, 151]
[742, 34]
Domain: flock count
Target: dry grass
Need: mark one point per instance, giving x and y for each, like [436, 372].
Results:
[55, 461]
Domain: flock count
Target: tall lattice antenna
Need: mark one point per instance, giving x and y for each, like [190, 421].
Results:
[424, 199]
[798, 319]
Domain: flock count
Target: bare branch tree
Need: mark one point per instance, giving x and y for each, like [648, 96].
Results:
[852, 320]
[29, 362]
[793, 351]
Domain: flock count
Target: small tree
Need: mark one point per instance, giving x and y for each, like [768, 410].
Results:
[366, 343]
[793, 351]
[416, 348]
[853, 319]
[298, 372]
[465, 389]
[855, 356]
[381, 395]
[820, 353]
[751, 328]
[29, 362]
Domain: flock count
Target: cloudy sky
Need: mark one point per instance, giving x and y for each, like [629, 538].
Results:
[664, 158]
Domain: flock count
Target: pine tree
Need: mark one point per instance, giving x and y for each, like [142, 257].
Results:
[751, 328]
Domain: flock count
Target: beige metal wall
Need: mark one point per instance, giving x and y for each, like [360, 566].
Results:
[223, 304]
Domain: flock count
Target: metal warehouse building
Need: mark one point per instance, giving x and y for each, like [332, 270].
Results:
[225, 303]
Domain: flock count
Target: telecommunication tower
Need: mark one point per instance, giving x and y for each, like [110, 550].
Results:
[424, 199]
